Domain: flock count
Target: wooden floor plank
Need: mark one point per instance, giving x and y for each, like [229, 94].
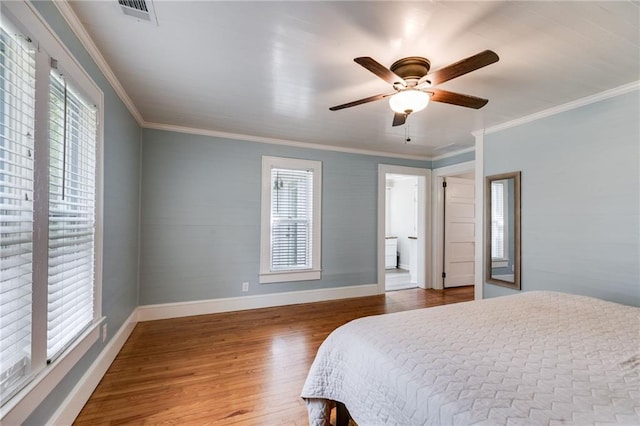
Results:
[235, 368]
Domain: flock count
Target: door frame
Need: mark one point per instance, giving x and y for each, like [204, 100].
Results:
[438, 217]
[423, 225]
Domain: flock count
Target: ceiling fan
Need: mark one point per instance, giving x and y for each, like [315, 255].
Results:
[414, 86]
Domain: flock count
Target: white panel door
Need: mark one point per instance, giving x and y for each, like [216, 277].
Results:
[459, 232]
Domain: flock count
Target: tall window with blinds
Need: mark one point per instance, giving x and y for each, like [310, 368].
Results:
[50, 218]
[72, 195]
[498, 220]
[17, 106]
[290, 220]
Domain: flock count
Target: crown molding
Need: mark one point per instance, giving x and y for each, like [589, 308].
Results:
[616, 91]
[79, 30]
[275, 141]
[453, 153]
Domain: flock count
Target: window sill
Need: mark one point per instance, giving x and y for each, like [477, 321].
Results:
[20, 407]
[500, 263]
[279, 277]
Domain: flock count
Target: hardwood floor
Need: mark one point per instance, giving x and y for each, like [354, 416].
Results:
[244, 367]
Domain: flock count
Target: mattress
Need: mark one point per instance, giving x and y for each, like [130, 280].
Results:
[532, 358]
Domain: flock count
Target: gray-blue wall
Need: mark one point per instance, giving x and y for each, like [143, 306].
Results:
[580, 199]
[200, 223]
[121, 200]
[454, 159]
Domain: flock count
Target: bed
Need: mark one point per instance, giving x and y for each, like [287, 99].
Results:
[532, 358]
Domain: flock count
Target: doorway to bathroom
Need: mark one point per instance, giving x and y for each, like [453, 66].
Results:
[403, 221]
[401, 231]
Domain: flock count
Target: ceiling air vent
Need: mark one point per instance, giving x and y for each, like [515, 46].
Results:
[141, 10]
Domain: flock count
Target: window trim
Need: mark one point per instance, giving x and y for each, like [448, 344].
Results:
[46, 377]
[314, 273]
[503, 262]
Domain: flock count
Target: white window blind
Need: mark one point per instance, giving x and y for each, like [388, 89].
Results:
[290, 224]
[291, 219]
[17, 105]
[72, 194]
[497, 220]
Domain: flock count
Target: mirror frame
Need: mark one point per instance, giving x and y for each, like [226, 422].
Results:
[487, 249]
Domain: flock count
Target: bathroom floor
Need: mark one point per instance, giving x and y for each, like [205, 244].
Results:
[398, 279]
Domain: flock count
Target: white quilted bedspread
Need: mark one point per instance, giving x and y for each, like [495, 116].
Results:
[534, 358]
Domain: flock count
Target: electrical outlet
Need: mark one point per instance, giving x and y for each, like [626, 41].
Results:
[104, 332]
[245, 286]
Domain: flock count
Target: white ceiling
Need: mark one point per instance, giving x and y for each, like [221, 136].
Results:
[273, 69]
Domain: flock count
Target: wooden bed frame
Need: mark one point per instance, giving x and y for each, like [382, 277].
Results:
[342, 414]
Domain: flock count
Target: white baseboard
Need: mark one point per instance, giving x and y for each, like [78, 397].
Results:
[72, 405]
[211, 306]
[403, 266]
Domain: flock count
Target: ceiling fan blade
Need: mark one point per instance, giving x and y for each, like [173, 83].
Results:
[462, 67]
[399, 118]
[361, 101]
[380, 70]
[453, 98]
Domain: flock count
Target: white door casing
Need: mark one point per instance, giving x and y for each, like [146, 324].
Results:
[459, 232]
[424, 242]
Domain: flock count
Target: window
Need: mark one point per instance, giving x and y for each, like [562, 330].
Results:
[49, 211]
[290, 248]
[17, 111]
[499, 217]
[72, 189]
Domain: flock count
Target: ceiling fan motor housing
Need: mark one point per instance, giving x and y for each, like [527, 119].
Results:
[411, 68]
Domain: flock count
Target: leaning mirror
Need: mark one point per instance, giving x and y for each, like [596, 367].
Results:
[502, 210]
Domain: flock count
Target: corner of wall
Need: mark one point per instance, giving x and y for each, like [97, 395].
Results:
[140, 162]
[479, 242]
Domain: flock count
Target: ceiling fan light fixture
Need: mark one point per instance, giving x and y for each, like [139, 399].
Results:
[411, 100]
